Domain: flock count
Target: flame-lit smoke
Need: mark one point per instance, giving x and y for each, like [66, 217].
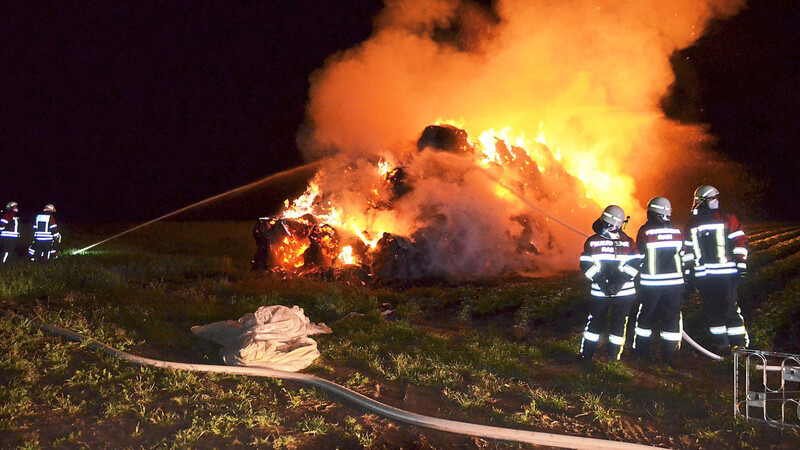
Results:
[574, 85]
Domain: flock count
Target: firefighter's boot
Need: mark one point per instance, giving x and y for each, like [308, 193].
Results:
[588, 348]
[737, 337]
[641, 347]
[614, 352]
[669, 350]
[722, 345]
[615, 344]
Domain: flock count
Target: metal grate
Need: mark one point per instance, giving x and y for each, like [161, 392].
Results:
[766, 387]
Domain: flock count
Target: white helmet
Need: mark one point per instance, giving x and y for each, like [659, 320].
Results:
[661, 207]
[703, 194]
[613, 216]
[11, 205]
[50, 207]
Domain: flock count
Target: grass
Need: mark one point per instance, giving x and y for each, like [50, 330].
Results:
[449, 350]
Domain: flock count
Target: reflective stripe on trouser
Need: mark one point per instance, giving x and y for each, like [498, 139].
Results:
[8, 249]
[617, 310]
[658, 306]
[43, 250]
[738, 335]
[719, 298]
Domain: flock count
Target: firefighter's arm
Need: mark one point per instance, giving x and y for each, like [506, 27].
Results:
[627, 272]
[633, 261]
[54, 230]
[688, 252]
[738, 240]
[589, 265]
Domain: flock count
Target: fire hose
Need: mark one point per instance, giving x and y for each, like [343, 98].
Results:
[686, 337]
[390, 412]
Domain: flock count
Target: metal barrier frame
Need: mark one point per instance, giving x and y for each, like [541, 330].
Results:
[771, 388]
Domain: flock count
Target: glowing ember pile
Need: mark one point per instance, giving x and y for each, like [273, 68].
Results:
[390, 215]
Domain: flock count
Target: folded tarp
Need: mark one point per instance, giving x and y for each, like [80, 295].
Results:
[274, 337]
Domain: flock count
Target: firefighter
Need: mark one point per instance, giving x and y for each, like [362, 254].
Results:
[661, 284]
[716, 248]
[610, 260]
[9, 233]
[45, 235]
[261, 231]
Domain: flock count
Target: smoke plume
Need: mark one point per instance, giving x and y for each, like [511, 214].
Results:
[577, 84]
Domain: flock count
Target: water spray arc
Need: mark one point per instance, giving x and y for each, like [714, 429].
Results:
[534, 207]
[201, 202]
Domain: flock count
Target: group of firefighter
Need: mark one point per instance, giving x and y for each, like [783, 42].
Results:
[46, 236]
[659, 269]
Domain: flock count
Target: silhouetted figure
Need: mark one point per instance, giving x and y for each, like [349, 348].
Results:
[611, 261]
[45, 235]
[661, 284]
[9, 233]
[716, 248]
[263, 257]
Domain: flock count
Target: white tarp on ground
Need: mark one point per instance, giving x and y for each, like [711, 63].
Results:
[274, 337]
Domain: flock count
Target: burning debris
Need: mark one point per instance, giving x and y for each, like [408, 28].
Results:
[433, 213]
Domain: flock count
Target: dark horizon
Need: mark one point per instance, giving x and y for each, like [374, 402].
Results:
[130, 110]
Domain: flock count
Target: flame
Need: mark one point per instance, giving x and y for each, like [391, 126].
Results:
[289, 252]
[346, 256]
[384, 167]
[302, 205]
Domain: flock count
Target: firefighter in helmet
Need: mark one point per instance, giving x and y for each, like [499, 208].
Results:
[45, 235]
[261, 231]
[661, 284]
[610, 260]
[9, 233]
[716, 248]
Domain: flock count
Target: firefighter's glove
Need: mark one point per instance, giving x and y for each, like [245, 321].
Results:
[616, 286]
[742, 273]
[604, 285]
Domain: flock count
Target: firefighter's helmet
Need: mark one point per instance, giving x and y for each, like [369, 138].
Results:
[11, 206]
[50, 208]
[703, 194]
[661, 207]
[613, 217]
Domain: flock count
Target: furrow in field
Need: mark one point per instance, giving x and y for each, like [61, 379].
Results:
[760, 233]
[759, 244]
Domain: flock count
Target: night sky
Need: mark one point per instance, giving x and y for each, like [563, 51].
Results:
[127, 110]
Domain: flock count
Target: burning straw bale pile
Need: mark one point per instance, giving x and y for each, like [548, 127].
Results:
[330, 234]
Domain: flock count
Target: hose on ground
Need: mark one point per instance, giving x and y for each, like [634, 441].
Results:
[700, 348]
[390, 412]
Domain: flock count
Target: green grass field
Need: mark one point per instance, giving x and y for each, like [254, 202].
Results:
[496, 352]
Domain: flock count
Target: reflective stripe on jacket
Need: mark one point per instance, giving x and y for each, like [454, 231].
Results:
[9, 224]
[715, 244]
[610, 259]
[662, 248]
[45, 228]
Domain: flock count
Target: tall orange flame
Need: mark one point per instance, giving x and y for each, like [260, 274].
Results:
[586, 78]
